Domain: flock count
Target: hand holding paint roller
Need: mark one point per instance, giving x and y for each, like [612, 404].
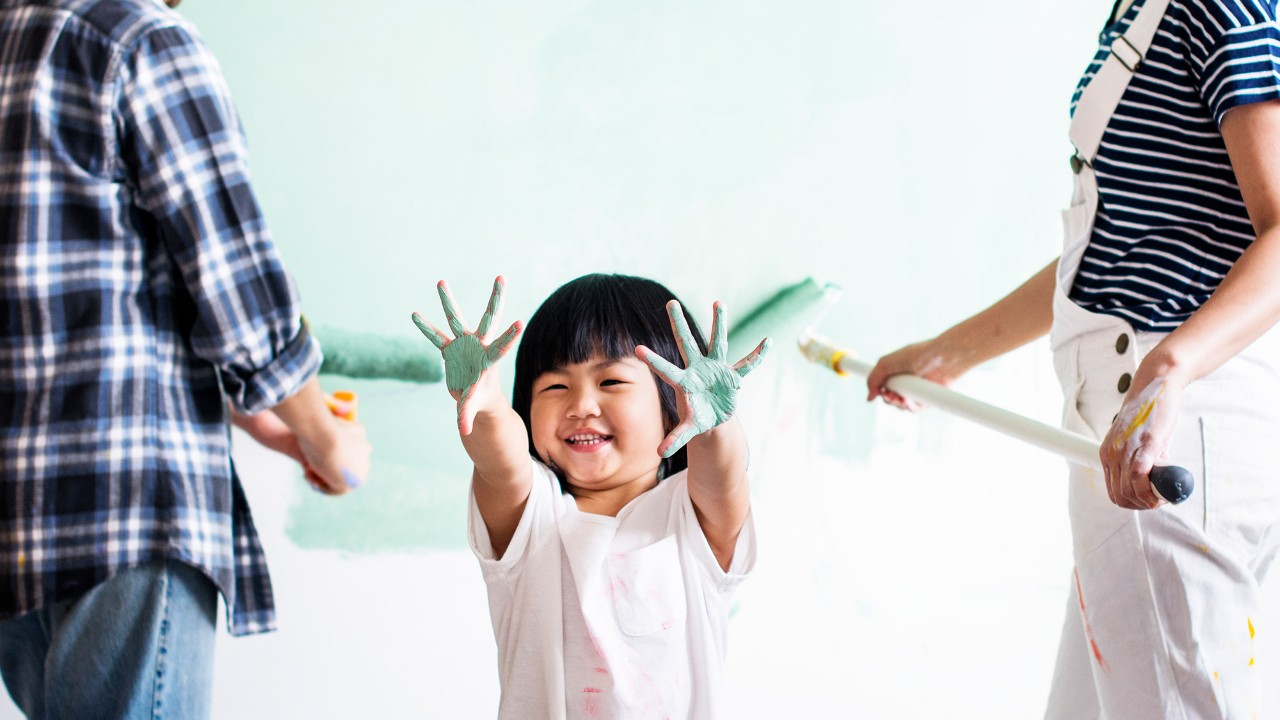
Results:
[1173, 483]
[1137, 438]
[467, 356]
[334, 454]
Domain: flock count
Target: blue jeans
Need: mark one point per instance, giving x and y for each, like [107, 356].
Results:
[138, 645]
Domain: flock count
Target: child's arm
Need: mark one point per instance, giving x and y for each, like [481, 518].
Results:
[707, 392]
[492, 433]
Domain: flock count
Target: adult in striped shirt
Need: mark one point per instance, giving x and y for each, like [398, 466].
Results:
[142, 303]
[1162, 313]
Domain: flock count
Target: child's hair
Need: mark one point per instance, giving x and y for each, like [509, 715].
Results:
[608, 316]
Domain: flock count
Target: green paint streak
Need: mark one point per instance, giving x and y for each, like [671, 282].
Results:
[783, 315]
[366, 355]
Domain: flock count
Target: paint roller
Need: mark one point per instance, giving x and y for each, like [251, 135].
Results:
[1173, 483]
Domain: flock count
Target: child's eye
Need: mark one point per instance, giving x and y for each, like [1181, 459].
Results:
[556, 386]
[613, 382]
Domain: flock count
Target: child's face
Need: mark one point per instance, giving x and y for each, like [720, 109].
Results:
[599, 422]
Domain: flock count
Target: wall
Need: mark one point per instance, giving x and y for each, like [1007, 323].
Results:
[911, 566]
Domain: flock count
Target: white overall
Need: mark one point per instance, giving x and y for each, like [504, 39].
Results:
[1164, 603]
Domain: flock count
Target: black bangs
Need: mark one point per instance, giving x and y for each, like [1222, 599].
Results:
[605, 315]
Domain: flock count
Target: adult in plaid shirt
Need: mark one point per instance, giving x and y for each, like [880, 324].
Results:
[142, 307]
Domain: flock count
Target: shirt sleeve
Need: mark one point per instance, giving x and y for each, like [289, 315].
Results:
[539, 512]
[1234, 47]
[744, 551]
[184, 157]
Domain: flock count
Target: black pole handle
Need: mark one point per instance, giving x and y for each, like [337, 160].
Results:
[1173, 483]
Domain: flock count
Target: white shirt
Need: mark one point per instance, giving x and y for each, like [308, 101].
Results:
[609, 617]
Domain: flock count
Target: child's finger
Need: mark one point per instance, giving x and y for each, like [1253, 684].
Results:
[456, 323]
[667, 370]
[753, 358]
[719, 349]
[494, 309]
[499, 347]
[680, 328]
[679, 436]
[431, 331]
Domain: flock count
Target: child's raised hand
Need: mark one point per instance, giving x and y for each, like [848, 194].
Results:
[466, 355]
[707, 387]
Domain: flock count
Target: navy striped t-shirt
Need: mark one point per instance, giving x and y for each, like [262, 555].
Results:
[1170, 220]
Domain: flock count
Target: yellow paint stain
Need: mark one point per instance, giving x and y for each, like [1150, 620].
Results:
[1250, 662]
[22, 560]
[1205, 549]
[1215, 676]
[1251, 631]
[1144, 413]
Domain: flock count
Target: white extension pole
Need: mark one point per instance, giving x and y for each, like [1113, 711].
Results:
[1072, 446]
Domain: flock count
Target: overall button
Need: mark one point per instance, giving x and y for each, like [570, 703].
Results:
[1122, 343]
[1076, 164]
[1125, 380]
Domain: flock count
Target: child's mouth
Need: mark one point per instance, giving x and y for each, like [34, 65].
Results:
[588, 439]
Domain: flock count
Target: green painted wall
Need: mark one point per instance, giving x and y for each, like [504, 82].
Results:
[397, 142]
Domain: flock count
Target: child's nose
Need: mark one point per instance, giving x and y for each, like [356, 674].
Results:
[583, 403]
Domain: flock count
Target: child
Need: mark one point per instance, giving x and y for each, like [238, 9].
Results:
[610, 550]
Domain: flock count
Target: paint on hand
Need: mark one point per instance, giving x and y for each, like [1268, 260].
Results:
[1088, 628]
[708, 384]
[466, 357]
[1143, 413]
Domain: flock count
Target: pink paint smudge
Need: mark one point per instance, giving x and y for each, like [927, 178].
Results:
[591, 701]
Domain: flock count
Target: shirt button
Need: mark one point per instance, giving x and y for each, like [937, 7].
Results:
[1122, 343]
[1125, 380]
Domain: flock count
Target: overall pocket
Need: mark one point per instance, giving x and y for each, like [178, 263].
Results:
[1241, 487]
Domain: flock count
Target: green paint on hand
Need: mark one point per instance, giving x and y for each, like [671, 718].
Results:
[464, 361]
[465, 356]
[708, 385]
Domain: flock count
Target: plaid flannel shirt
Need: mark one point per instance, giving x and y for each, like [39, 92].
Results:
[139, 291]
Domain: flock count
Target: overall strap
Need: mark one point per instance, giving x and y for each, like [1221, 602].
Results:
[1101, 96]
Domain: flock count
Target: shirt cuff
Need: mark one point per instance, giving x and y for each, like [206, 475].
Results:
[296, 363]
